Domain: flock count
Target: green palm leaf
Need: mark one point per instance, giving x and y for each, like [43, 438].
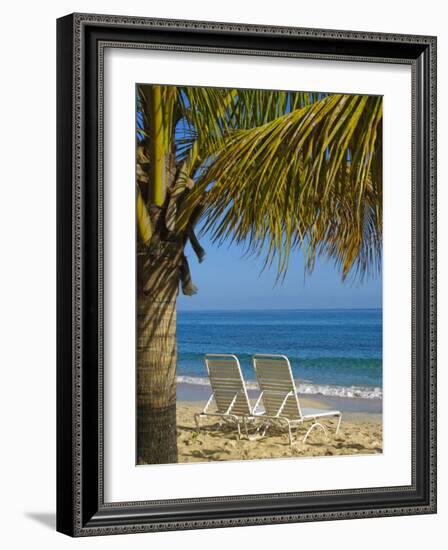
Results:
[307, 178]
[279, 170]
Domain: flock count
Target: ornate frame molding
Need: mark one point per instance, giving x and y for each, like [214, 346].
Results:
[81, 42]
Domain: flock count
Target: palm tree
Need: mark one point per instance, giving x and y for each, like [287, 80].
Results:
[276, 171]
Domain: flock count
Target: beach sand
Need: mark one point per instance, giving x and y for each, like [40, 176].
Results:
[360, 434]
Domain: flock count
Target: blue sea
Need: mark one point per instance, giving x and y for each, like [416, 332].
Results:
[332, 352]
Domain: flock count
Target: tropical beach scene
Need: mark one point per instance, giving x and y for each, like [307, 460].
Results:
[259, 283]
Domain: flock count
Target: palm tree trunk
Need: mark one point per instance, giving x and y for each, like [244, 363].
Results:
[158, 275]
[157, 355]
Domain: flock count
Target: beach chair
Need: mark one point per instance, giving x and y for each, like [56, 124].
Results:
[228, 392]
[280, 399]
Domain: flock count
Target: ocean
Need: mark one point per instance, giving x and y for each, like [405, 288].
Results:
[332, 352]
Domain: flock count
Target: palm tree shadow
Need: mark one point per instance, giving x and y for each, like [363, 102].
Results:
[208, 454]
[48, 519]
[355, 446]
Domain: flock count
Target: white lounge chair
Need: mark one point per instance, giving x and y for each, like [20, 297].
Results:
[228, 392]
[280, 399]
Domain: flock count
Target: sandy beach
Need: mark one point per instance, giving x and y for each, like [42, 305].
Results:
[360, 433]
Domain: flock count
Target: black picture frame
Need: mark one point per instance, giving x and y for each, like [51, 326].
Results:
[81, 510]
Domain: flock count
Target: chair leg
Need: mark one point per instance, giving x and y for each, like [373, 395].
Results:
[314, 425]
[246, 431]
[289, 433]
[196, 419]
[288, 423]
[239, 430]
[339, 423]
[266, 426]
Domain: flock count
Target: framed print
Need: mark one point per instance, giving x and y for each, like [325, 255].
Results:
[246, 275]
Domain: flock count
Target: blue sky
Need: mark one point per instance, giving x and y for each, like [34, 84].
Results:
[227, 280]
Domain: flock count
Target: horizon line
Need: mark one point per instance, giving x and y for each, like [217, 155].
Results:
[286, 309]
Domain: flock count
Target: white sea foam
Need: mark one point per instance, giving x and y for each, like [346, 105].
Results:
[308, 388]
[341, 391]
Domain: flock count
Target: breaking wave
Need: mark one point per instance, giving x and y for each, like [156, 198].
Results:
[363, 392]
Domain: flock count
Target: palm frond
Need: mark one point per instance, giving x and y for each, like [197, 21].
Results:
[208, 115]
[278, 170]
[307, 178]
